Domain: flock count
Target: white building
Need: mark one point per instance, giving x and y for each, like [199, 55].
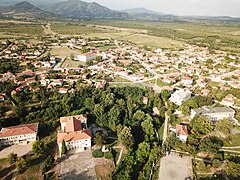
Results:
[214, 113]
[75, 133]
[21, 134]
[85, 57]
[180, 96]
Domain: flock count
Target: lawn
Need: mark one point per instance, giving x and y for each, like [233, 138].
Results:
[120, 79]
[234, 140]
[160, 83]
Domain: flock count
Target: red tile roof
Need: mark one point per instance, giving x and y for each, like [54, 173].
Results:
[19, 130]
[73, 136]
[181, 130]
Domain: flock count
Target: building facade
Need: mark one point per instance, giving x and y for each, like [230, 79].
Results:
[214, 113]
[74, 133]
[180, 96]
[21, 134]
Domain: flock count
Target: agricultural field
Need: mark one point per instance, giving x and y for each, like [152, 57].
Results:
[20, 28]
[214, 36]
[62, 51]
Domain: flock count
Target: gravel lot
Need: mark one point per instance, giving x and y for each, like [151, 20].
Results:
[79, 166]
[173, 167]
[20, 150]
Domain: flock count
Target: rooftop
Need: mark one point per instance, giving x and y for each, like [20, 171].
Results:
[19, 130]
[208, 110]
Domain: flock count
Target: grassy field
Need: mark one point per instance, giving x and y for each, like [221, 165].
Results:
[73, 64]
[74, 29]
[152, 41]
[215, 36]
[20, 28]
[234, 140]
[64, 51]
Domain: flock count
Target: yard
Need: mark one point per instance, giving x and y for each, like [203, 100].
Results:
[173, 167]
[77, 166]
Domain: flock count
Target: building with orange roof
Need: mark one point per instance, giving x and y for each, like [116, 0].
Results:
[21, 134]
[74, 133]
[86, 57]
[229, 100]
[182, 132]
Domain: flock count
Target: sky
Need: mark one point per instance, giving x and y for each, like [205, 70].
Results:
[179, 7]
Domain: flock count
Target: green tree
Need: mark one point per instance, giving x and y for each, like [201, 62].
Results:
[48, 163]
[147, 127]
[85, 50]
[114, 117]
[165, 95]
[100, 138]
[224, 126]
[38, 148]
[64, 148]
[143, 151]
[12, 157]
[232, 169]
[201, 125]
[126, 137]
[210, 144]
[22, 165]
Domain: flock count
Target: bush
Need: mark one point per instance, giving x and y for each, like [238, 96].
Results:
[97, 153]
[108, 155]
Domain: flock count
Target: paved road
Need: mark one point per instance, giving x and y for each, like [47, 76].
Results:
[165, 128]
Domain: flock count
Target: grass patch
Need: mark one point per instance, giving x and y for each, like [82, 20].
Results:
[233, 140]
[120, 79]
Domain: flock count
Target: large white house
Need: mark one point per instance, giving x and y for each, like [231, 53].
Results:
[85, 57]
[75, 133]
[180, 96]
[21, 134]
[214, 113]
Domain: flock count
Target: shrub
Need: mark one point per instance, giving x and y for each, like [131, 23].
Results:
[97, 153]
[108, 155]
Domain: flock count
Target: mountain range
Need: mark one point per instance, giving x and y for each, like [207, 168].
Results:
[77, 9]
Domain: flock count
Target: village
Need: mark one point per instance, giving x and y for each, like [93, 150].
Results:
[185, 73]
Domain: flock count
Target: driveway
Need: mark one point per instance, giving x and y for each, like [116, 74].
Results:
[20, 150]
[173, 167]
[78, 166]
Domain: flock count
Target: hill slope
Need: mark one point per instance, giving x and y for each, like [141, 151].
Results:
[81, 9]
[135, 11]
[25, 10]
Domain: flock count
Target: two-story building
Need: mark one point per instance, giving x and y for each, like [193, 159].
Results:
[74, 133]
[180, 96]
[21, 134]
[214, 113]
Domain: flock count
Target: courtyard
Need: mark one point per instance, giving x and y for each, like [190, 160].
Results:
[174, 167]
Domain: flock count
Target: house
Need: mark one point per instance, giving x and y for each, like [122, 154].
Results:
[21, 134]
[180, 96]
[181, 132]
[1, 98]
[86, 57]
[187, 81]
[229, 100]
[63, 90]
[214, 113]
[74, 133]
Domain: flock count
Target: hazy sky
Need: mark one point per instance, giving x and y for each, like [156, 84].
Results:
[179, 7]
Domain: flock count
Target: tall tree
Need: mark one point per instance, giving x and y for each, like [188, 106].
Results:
[126, 137]
[100, 138]
[201, 125]
[64, 148]
[38, 148]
